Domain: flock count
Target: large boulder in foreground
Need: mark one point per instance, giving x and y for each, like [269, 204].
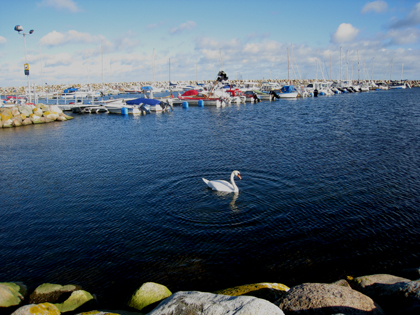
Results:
[37, 309]
[267, 291]
[396, 295]
[321, 298]
[53, 293]
[79, 301]
[148, 294]
[11, 294]
[197, 303]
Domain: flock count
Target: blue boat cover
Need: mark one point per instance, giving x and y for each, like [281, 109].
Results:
[147, 88]
[69, 90]
[288, 89]
[146, 101]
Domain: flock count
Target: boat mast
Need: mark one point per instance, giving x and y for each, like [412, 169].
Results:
[347, 68]
[288, 70]
[373, 61]
[169, 69]
[402, 68]
[358, 66]
[341, 64]
[392, 66]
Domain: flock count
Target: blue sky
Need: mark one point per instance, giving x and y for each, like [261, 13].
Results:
[89, 41]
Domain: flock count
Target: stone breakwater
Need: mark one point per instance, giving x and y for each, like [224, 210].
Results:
[123, 86]
[378, 294]
[17, 116]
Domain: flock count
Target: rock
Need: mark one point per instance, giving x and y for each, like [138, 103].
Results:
[6, 114]
[147, 294]
[8, 123]
[36, 119]
[37, 112]
[25, 110]
[16, 123]
[45, 119]
[61, 118]
[342, 283]
[55, 109]
[396, 295]
[52, 293]
[196, 303]
[27, 121]
[78, 300]
[321, 298]
[266, 291]
[11, 294]
[37, 309]
[119, 312]
[52, 117]
[15, 111]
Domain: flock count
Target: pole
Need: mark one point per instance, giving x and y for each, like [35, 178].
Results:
[26, 61]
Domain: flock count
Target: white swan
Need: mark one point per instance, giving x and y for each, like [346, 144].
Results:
[222, 185]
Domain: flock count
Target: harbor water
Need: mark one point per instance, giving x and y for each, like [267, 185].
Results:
[330, 188]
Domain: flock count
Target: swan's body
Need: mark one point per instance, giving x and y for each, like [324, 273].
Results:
[222, 185]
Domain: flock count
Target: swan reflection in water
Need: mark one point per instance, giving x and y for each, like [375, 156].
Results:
[232, 203]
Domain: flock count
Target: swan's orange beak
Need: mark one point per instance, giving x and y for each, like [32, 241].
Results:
[239, 175]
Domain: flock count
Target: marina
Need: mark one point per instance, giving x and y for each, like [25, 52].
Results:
[110, 201]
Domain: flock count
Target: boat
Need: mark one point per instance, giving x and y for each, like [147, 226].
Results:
[263, 95]
[236, 96]
[397, 85]
[194, 96]
[154, 105]
[288, 91]
[270, 86]
[249, 86]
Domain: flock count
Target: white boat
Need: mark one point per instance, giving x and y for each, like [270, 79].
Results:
[249, 86]
[288, 91]
[270, 86]
[397, 85]
[119, 106]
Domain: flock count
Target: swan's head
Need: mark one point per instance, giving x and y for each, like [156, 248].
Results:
[237, 173]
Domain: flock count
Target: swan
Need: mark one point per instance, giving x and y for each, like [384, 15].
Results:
[222, 185]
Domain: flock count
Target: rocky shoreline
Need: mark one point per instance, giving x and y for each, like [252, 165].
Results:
[17, 116]
[122, 86]
[376, 294]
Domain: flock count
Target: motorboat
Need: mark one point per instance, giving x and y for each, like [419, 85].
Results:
[236, 96]
[288, 91]
[154, 105]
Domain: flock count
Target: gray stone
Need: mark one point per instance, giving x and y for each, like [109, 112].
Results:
[321, 298]
[396, 295]
[200, 303]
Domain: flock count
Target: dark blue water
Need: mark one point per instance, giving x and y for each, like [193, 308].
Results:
[330, 188]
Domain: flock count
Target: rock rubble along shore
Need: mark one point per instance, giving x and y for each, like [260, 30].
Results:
[123, 86]
[379, 294]
[17, 116]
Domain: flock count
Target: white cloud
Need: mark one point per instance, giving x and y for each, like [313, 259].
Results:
[71, 37]
[403, 37]
[68, 5]
[188, 26]
[412, 19]
[58, 60]
[375, 6]
[345, 33]
[2, 40]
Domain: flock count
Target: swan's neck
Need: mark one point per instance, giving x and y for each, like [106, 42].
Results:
[232, 181]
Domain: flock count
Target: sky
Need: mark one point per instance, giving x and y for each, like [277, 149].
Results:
[94, 41]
